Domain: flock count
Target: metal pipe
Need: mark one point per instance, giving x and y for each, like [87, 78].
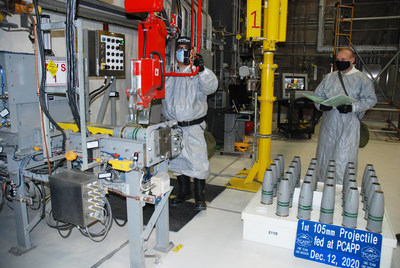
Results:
[97, 11]
[383, 131]
[387, 65]
[82, 90]
[385, 109]
[377, 29]
[321, 21]
[234, 29]
[329, 49]
[114, 105]
[361, 49]
[394, 86]
[378, 18]
[221, 62]
[380, 2]
[86, 70]
[104, 104]
[198, 40]
[369, 72]
[253, 159]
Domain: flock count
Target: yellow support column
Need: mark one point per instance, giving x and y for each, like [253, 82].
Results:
[271, 33]
[266, 106]
[275, 17]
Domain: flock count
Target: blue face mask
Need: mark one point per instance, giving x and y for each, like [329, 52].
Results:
[182, 55]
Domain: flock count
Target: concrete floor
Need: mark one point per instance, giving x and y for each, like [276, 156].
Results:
[214, 237]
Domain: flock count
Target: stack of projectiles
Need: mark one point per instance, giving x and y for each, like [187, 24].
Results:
[281, 185]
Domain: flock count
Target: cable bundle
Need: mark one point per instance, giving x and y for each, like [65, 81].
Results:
[71, 61]
[42, 94]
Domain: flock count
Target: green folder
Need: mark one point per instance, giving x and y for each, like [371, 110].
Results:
[334, 101]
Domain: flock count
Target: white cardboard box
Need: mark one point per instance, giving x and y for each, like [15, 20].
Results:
[261, 224]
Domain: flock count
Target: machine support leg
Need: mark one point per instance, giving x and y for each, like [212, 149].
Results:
[24, 242]
[135, 221]
[162, 229]
[162, 225]
[21, 222]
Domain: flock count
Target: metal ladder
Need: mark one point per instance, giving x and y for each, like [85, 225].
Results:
[344, 24]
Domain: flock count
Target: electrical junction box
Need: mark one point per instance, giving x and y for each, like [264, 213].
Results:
[133, 6]
[220, 99]
[161, 183]
[162, 142]
[20, 97]
[73, 194]
[106, 53]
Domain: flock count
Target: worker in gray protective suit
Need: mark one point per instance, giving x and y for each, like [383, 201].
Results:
[340, 127]
[186, 101]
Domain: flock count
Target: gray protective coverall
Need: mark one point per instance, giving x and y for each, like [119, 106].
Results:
[186, 100]
[340, 133]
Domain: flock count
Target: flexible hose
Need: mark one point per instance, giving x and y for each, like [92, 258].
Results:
[42, 94]
[144, 41]
[162, 68]
[198, 40]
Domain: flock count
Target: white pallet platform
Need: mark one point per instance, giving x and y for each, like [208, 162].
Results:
[261, 224]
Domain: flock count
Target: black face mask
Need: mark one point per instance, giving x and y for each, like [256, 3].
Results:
[342, 65]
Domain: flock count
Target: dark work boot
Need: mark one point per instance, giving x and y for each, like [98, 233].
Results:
[199, 194]
[184, 190]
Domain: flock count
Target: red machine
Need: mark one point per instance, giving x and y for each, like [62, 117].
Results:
[148, 72]
[148, 76]
[152, 34]
[143, 6]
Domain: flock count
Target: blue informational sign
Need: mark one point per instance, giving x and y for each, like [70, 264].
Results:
[337, 246]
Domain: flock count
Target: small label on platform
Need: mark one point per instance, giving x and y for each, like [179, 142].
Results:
[105, 176]
[92, 144]
[4, 112]
[114, 94]
[337, 246]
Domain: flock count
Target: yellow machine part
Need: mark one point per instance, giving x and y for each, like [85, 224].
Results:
[253, 25]
[274, 30]
[239, 184]
[242, 146]
[121, 164]
[70, 155]
[92, 127]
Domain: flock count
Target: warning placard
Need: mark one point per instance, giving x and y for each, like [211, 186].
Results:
[56, 73]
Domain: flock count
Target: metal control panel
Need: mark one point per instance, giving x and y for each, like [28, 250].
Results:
[76, 197]
[106, 52]
[19, 107]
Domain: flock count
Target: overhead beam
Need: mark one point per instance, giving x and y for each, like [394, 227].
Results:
[97, 11]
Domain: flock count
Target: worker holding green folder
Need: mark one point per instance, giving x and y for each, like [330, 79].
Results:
[343, 105]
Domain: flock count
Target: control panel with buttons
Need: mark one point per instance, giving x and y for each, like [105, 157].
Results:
[106, 54]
